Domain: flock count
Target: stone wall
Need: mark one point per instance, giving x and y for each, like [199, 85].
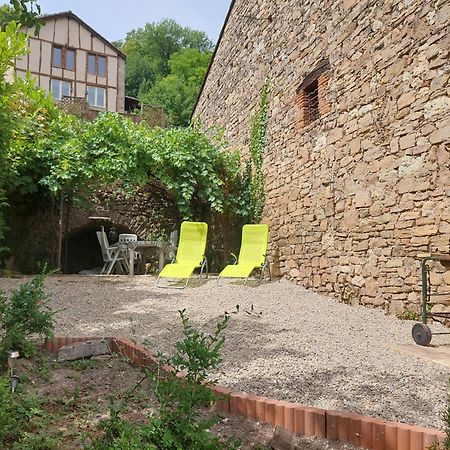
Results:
[355, 195]
[33, 231]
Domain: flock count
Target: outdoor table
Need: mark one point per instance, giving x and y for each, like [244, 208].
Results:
[143, 247]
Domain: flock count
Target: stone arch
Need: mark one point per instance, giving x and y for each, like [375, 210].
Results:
[81, 249]
[81, 218]
[147, 215]
[34, 236]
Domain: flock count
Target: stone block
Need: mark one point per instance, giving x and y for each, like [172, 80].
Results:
[363, 199]
[437, 106]
[282, 440]
[407, 141]
[446, 277]
[426, 230]
[406, 99]
[83, 350]
[410, 165]
[335, 135]
[371, 287]
[440, 135]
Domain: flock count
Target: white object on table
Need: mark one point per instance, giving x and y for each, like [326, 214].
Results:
[125, 238]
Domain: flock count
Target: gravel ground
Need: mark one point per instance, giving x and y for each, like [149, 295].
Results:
[285, 342]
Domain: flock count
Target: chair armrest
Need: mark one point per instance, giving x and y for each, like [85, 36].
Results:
[234, 257]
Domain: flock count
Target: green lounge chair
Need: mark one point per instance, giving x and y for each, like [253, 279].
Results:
[252, 254]
[190, 254]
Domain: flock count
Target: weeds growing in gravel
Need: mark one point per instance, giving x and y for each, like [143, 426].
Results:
[445, 445]
[181, 392]
[446, 418]
[408, 314]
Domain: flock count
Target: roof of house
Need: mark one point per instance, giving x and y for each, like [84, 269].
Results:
[214, 54]
[85, 25]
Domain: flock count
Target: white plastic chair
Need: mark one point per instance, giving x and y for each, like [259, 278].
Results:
[110, 254]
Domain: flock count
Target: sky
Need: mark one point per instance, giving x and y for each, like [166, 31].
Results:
[114, 18]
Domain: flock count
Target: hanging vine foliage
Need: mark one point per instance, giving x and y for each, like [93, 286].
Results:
[254, 166]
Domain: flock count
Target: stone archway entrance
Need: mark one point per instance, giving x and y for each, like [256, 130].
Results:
[34, 237]
[81, 247]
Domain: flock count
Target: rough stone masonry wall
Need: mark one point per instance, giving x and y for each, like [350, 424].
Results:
[353, 197]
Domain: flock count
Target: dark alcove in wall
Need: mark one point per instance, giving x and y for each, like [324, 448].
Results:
[83, 248]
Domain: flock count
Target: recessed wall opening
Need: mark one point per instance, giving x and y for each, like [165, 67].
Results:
[83, 248]
[312, 112]
[312, 95]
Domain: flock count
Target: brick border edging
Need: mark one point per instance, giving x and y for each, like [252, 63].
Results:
[361, 431]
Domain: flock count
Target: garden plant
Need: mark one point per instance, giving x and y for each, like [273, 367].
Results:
[24, 316]
[181, 385]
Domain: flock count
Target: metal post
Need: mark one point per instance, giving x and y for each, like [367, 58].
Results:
[424, 289]
[60, 223]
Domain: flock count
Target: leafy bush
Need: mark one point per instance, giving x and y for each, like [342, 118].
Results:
[25, 314]
[47, 154]
[16, 410]
[179, 424]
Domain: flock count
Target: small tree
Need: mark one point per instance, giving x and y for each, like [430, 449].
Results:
[181, 394]
[24, 315]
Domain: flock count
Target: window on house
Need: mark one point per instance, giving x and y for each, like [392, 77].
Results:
[63, 57]
[91, 64]
[96, 96]
[101, 66]
[60, 89]
[70, 59]
[96, 65]
[57, 56]
[312, 95]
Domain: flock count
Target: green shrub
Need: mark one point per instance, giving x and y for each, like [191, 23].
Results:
[24, 315]
[16, 410]
[179, 423]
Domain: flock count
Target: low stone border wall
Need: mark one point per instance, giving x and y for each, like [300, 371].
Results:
[361, 431]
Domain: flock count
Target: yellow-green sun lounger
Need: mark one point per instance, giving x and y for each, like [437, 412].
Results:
[190, 254]
[252, 254]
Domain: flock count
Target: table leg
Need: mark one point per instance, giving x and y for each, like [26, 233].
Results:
[161, 257]
[131, 262]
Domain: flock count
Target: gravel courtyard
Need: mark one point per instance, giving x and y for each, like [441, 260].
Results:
[285, 342]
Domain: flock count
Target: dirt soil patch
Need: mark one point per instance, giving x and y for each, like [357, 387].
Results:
[75, 397]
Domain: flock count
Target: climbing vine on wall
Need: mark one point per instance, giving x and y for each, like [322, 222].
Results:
[254, 166]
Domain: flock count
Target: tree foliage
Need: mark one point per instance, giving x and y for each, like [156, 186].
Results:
[178, 91]
[12, 44]
[26, 12]
[45, 151]
[7, 15]
[166, 64]
[71, 155]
